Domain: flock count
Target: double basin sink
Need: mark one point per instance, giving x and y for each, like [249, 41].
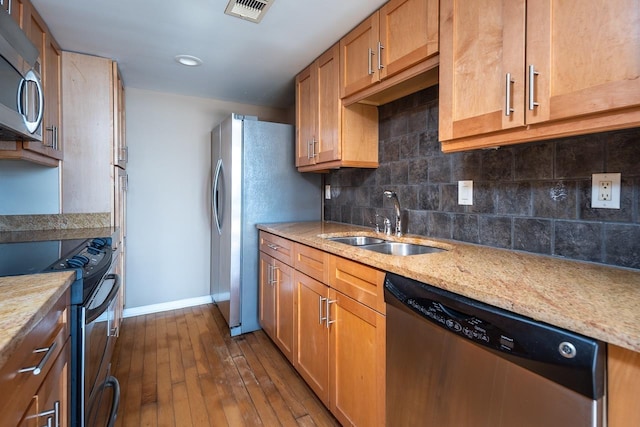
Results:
[388, 247]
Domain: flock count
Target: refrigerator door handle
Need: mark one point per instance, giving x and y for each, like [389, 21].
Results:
[214, 196]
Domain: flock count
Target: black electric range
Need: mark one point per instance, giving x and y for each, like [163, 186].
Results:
[91, 259]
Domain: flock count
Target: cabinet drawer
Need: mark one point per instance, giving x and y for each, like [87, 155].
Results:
[18, 388]
[358, 281]
[312, 262]
[277, 247]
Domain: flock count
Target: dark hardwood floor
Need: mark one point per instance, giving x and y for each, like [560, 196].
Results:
[181, 368]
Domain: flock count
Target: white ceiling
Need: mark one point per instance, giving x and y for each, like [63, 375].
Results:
[243, 61]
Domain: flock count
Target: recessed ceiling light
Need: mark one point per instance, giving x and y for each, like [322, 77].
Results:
[188, 60]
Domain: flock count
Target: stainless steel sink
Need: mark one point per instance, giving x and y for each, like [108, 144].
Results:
[356, 240]
[402, 249]
[385, 246]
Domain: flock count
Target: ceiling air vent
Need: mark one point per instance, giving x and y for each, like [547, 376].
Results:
[250, 10]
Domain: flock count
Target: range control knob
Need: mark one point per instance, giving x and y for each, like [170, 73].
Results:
[77, 261]
[98, 243]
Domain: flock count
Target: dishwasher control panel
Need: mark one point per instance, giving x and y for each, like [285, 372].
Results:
[471, 327]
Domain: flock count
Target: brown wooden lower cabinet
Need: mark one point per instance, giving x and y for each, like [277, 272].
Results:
[340, 352]
[357, 362]
[276, 302]
[338, 335]
[623, 376]
[32, 399]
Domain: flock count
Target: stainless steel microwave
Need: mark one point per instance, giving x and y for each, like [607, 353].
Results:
[21, 92]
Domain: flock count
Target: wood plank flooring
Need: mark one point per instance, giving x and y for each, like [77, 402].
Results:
[181, 368]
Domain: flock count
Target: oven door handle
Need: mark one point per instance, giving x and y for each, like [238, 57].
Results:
[94, 313]
[113, 382]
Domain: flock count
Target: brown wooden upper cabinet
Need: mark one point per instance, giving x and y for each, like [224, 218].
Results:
[398, 36]
[15, 8]
[516, 71]
[329, 135]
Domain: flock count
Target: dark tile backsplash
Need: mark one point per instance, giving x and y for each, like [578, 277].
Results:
[533, 197]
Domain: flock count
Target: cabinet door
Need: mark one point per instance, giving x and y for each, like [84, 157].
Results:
[359, 57]
[53, 95]
[284, 308]
[408, 34]
[481, 45]
[267, 315]
[87, 172]
[312, 335]
[120, 150]
[306, 111]
[118, 314]
[276, 307]
[328, 106]
[357, 362]
[623, 376]
[119, 217]
[586, 56]
[49, 66]
[16, 8]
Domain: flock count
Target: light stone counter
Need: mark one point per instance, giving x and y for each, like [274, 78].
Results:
[594, 300]
[24, 300]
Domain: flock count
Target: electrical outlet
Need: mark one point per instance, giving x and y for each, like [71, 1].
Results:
[605, 190]
[327, 191]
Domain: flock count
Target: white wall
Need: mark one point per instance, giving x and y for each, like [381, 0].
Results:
[168, 199]
[27, 188]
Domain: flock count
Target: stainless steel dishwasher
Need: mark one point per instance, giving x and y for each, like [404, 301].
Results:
[456, 362]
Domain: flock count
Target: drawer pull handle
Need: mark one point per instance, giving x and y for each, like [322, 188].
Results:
[327, 319]
[274, 247]
[532, 91]
[56, 414]
[321, 301]
[508, 109]
[48, 351]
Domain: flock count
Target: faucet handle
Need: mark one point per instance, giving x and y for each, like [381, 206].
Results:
[387, 224]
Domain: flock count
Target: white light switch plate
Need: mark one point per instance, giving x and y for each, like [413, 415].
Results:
[605, 190]
[465, 192]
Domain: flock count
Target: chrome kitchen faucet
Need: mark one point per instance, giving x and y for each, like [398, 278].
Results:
[392, 195]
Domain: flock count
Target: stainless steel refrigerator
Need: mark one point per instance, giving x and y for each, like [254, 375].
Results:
[254, 181]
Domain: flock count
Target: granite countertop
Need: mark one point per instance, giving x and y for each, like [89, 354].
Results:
[60, 234]
[594, 300]
[25, 301]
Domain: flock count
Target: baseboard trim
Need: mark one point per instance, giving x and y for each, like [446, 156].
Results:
[166, 306]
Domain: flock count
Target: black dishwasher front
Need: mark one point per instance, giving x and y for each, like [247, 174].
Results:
[456, 362]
